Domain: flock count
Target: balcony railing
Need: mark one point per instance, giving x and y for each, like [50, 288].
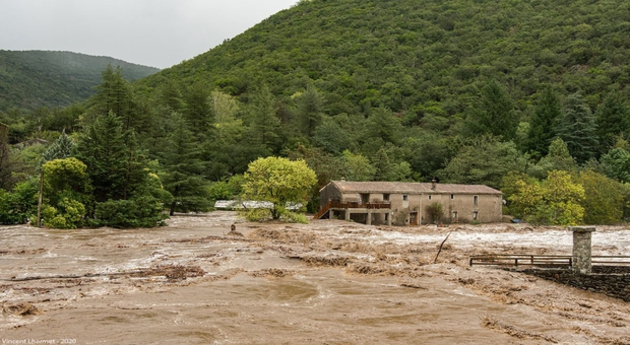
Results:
[353, 204]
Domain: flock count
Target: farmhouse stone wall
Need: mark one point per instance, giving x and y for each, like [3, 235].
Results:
[613, 281]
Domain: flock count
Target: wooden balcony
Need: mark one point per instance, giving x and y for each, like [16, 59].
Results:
[368, 205]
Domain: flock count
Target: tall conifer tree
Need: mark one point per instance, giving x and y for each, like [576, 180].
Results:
[577, 129]
[543, 124]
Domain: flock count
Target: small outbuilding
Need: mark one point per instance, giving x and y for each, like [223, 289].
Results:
[409, 203]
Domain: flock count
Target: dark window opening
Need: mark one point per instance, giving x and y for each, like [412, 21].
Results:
[452, 196]
[476, 199]
[385, 197]
[405, 197]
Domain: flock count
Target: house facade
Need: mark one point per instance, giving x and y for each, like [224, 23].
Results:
[408, 203]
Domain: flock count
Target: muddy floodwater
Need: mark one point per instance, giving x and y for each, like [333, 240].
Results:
[327, 282]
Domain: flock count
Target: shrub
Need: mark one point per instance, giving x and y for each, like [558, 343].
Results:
[435, 210]
[141, 212]
[69, 214]
[16, 207]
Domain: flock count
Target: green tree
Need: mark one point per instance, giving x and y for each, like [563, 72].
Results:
[603, 198]
[262, 122]
[279, 181]
[357, 167]
[184, 169]
[331, 137]
[556, 201]
[495, 114]
[198, 110]
[613, 121]
[309, 110]
[558, 158]
[542, 129]
[616, 164]
[577, 129]
[114, 160]
[484, 161]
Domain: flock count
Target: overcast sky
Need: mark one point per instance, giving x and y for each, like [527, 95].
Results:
[158, 33]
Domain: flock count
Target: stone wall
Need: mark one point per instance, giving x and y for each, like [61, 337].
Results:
[613, 281]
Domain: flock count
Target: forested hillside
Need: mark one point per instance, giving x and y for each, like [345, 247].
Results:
[528, 96]
[31, 79]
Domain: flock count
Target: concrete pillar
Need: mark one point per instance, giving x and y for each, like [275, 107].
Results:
[389, 218]
[332, 214]
[582, 248]
[369, 218]
[347, 215]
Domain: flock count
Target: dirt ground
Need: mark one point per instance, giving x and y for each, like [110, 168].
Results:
[327, 282]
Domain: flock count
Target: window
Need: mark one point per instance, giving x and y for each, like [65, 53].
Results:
[430, 197]
[476, 200]
[454, 216]
[405, 197]
[386, 216]
[452, 196]
[385, 197]
[475, 215]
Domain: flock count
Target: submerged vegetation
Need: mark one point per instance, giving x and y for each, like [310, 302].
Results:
[526, 96]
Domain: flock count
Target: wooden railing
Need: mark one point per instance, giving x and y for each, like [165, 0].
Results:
[545, 260]
[522, 260]
[322, 211]
[339, 204]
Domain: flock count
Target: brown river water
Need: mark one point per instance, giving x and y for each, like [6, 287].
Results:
[327, 282]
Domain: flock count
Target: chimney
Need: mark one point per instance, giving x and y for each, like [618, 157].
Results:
[433, 184]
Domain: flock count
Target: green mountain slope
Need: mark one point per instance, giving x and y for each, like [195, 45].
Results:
[30, 79]
[415, 54]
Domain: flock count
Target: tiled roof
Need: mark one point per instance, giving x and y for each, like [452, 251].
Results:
[411, 188]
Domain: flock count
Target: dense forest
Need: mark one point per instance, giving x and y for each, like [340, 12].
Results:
[32, 79]
[526, 96]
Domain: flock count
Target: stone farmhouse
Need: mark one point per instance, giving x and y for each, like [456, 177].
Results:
[405, 203]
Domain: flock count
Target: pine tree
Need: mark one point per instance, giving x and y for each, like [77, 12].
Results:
[198, 110]
[577, 129]
[613, 121]
[184, 169]
[310, 110]
[543, 124]
[262, 122]
[115, 163]
[495, 114]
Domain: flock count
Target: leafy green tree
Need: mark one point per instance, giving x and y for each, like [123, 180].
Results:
[603, 198]
[184, 169]
[495, 114]
[20, 204]
[357, 167]
[542, 129]
[616, 164]
[331, 137]
[484, 161]
[280, 181]
[556, 201]
[558, 158]
[613, 120]
[577, 129]
[381, 124]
